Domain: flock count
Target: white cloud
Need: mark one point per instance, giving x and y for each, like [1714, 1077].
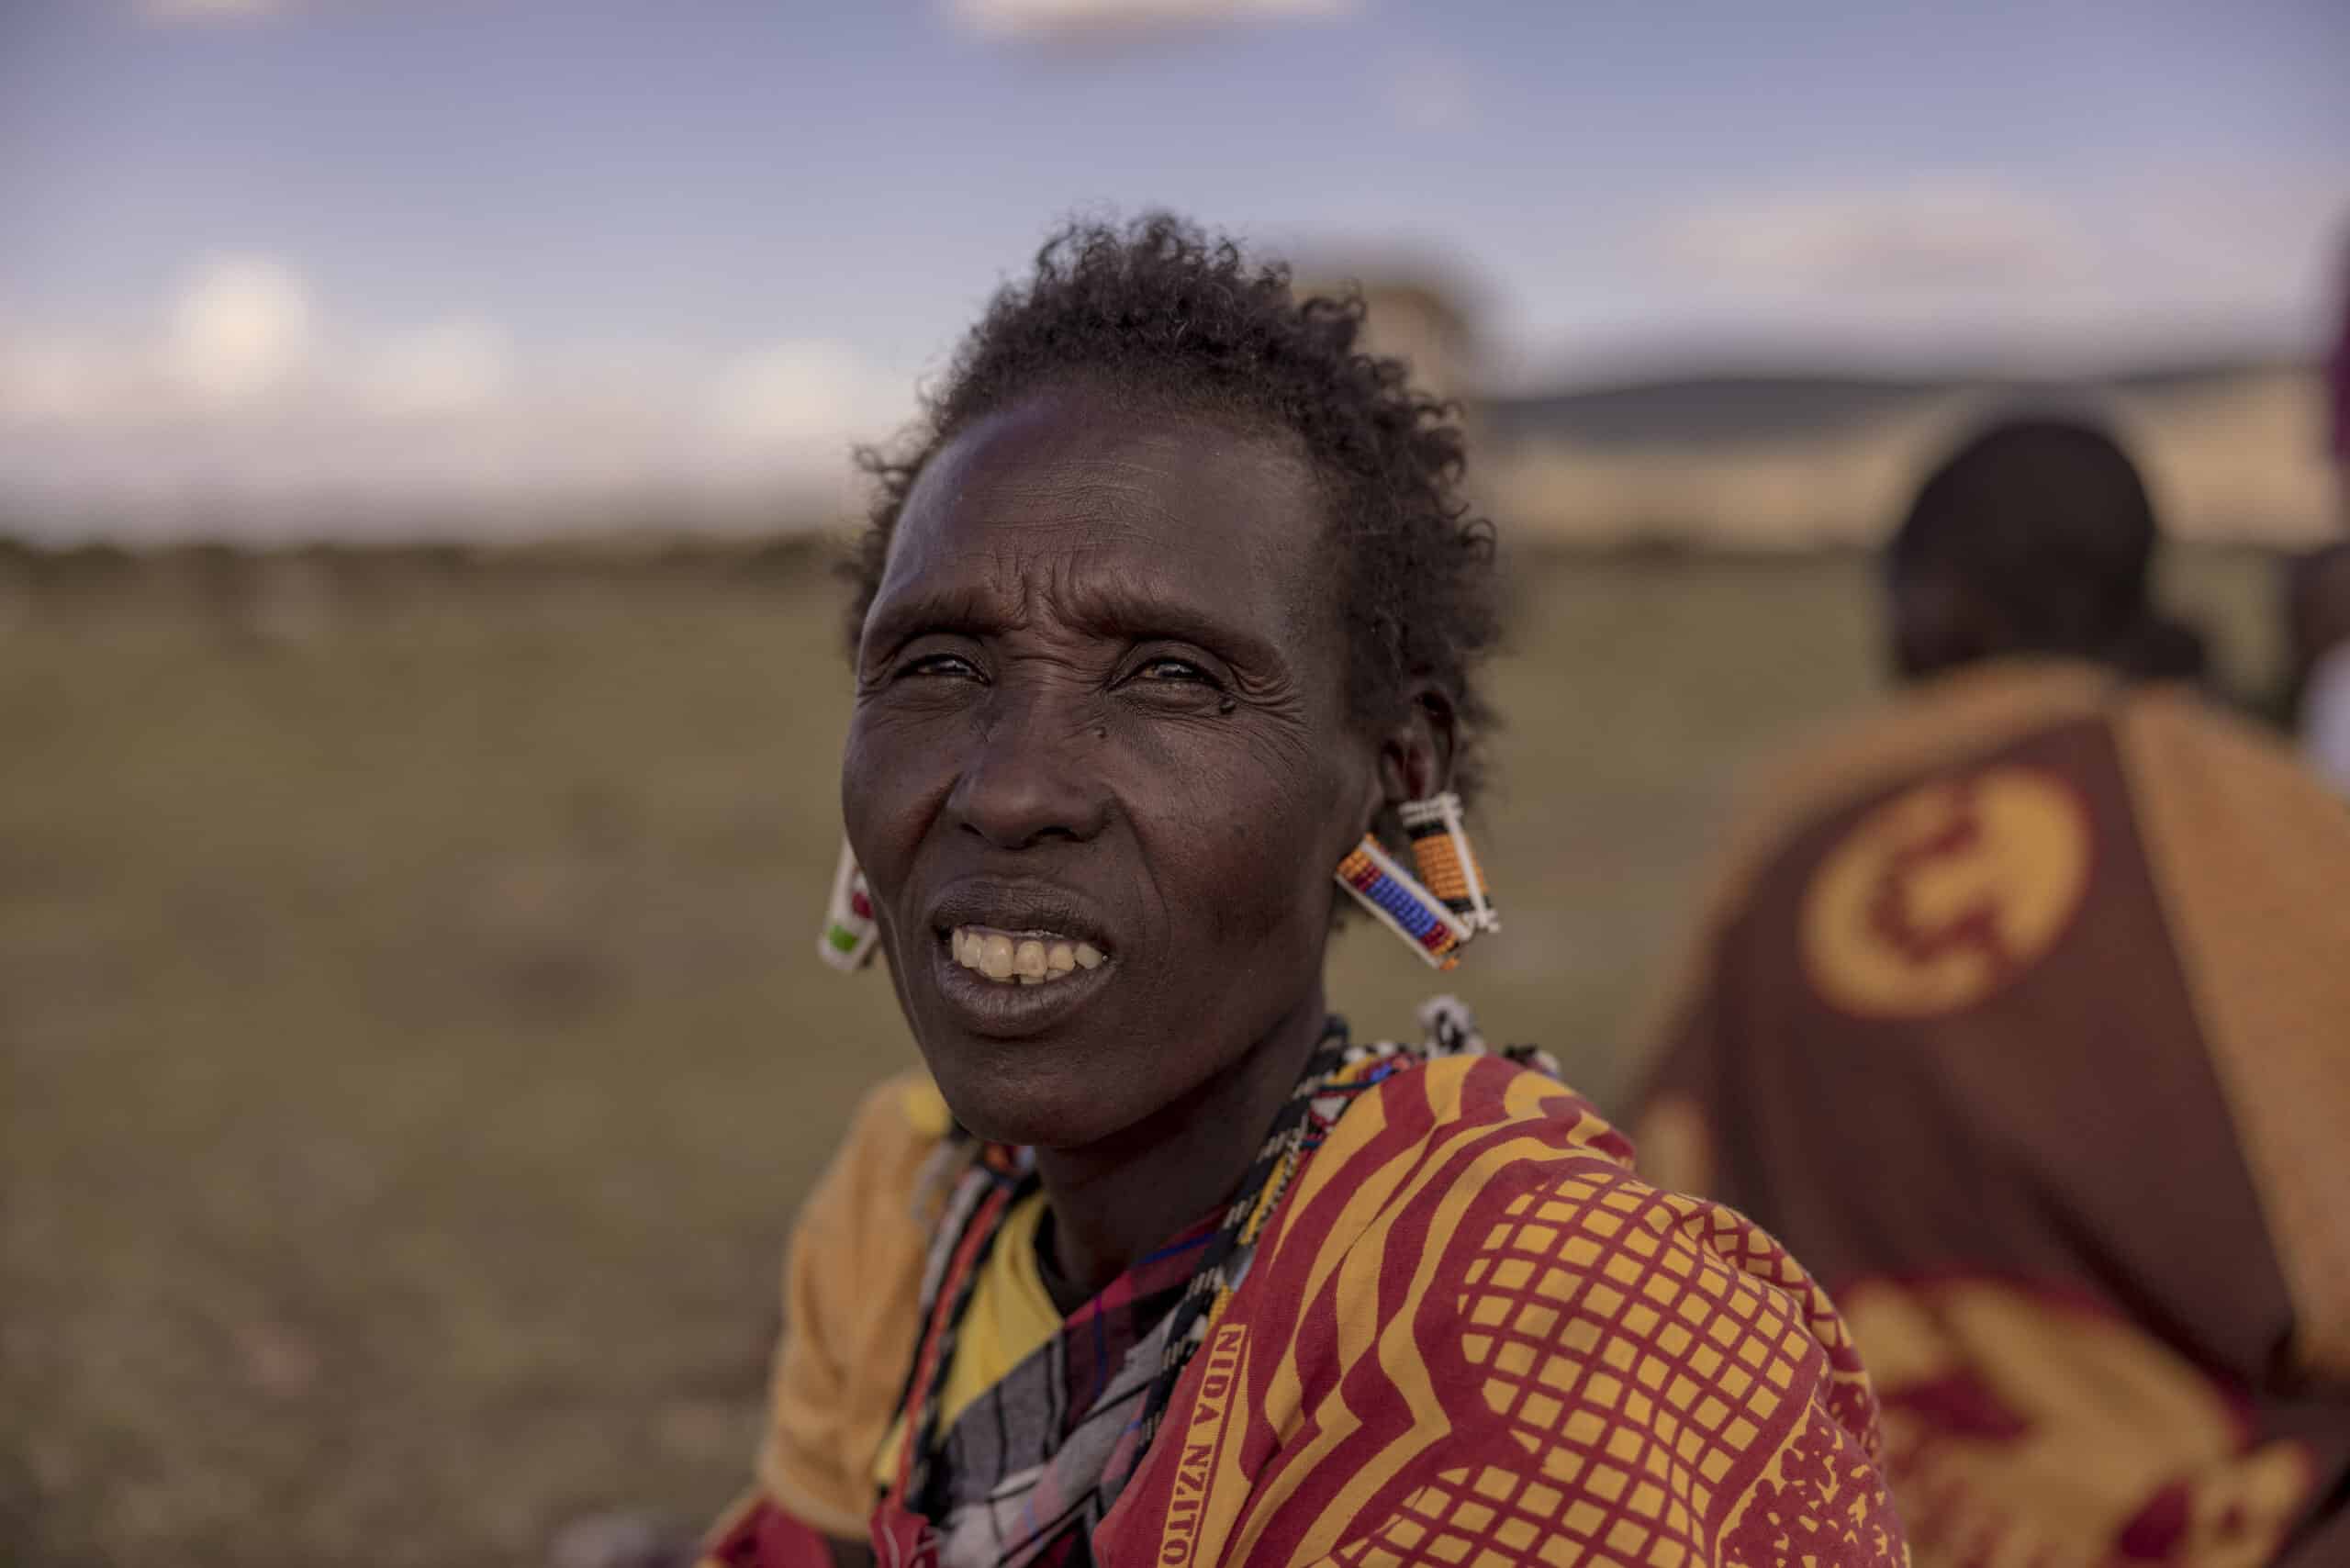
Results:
[58, 380]
[195, 424]
[801, 393]
[1054, 21]
[241, 328]
[1926, 236]
[448, 368]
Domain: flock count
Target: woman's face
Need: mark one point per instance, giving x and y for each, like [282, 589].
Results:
[1101, 732]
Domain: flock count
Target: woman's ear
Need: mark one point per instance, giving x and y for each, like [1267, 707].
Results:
[1416, 755]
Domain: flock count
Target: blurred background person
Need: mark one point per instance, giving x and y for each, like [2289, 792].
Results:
[2317, 643]
[2017, 1010]
[2317, 589]
[2036, 541]
[2338, 388]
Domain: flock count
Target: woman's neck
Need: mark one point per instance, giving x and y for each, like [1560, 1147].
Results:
[1113, 1202]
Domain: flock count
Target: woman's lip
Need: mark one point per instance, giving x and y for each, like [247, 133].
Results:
[1017, 906]
[1001, 1011]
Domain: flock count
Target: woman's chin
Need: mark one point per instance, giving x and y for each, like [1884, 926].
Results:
[1052, 1097]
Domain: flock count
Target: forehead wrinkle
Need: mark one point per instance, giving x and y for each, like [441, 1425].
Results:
[1109, 598]
[1093, 569]
[1023, 518]
[1002, 586]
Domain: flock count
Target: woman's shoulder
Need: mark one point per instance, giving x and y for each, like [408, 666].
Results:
[893, 1134]
[1504, 1205]
[1506, 1118]
[850, 1308]
[1481, 1253]
[871, 1184]
[1476, 1326]
[862, 1232]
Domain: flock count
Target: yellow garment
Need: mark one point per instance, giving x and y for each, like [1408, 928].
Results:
[852, 1284]
[1010, 1316]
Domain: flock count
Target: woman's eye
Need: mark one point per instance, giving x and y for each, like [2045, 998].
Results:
[1172, 669]
[953, 666]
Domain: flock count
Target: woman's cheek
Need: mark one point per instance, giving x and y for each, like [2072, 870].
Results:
[1234, 834]
[883, 781]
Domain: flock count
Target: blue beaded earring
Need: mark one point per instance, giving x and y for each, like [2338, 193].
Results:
[1447, 904]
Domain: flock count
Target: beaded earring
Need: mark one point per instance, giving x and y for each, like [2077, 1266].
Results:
[850, 931]
[1441, 909]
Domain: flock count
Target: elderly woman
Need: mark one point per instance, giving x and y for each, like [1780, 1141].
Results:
[1171, 611]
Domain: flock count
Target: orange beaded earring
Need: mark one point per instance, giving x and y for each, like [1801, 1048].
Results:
[1441, 909]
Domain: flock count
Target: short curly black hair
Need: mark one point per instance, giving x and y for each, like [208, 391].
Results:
[1157, 307]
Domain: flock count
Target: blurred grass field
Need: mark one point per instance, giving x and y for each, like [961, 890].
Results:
[414, 1047]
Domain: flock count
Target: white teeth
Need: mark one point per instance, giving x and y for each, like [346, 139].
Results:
[1029, 958]
[995, 956]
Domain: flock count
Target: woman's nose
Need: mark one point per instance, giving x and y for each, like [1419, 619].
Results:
[1033, 775]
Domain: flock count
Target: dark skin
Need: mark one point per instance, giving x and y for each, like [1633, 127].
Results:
[1102, 692]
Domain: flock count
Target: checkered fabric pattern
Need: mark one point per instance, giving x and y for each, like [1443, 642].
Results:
[1634, 1367]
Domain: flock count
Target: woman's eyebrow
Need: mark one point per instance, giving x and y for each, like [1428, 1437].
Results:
[1106, 611]
[961, 612]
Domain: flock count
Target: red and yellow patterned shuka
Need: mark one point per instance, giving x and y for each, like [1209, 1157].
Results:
[2021, 1013]
[1468, 1335]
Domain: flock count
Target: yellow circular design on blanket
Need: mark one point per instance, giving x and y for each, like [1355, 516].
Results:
[1945, 893]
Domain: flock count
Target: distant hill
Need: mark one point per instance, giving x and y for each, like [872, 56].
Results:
[1789, 460]
[1745, 404]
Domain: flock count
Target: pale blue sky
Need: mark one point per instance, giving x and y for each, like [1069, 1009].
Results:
[550, 195]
